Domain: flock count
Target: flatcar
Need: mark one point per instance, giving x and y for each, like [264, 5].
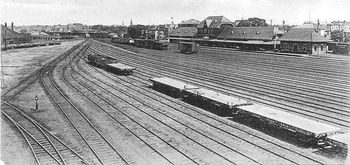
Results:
[313, 132]
[100, 60]
[110, 64]
[120, 68]
[341, 141]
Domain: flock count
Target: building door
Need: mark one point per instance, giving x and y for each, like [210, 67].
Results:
[295, 48]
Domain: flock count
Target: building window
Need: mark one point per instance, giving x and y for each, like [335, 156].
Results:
[231, 32]
[257, 32]
[315, 48]
[321, 47]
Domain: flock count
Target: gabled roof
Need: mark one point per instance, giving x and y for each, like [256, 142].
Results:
[190, 21]
[303, 35]
[214, 22]
[184, 32]
[10, 33]
[247, 33]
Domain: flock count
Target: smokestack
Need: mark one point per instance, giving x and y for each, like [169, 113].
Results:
[271, 22]
[5, 25]
[283, 23]
[12, 26]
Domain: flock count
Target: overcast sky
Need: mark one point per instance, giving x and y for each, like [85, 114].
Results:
[108, 12]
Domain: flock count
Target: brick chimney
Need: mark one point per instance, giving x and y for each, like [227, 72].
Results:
[5, 25]
[12, 26]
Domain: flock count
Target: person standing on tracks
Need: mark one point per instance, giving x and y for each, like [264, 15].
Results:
[36, 103]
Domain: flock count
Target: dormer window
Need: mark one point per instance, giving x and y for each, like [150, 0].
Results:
[243, 32]
[257, 32]
[232, 32]
[216, 21]
[178, 31]
[193, 31]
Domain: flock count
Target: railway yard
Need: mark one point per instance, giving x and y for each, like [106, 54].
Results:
[89, 115]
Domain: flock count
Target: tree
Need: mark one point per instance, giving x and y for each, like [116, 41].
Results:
[337, 35]
[23, 31]
[135, 31]
[253, 22]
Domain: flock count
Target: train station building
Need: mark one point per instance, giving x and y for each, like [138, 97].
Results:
[304, 41]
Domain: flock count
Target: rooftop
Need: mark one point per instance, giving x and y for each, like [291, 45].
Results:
[214, 22]
[184, 32]
[303, 35]
[247, 33]
[190, 21]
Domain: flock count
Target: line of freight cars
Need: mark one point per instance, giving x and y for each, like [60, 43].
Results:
[312, 132]
[142, 43]
[110, 64]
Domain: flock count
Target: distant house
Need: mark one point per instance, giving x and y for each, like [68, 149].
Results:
[189, 23]
[213, 25]
[186, 29]
[303, 40]
[40, 36]
[9, 36]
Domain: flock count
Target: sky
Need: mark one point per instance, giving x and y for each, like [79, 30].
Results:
[110, 12]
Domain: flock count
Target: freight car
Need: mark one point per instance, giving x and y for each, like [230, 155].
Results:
[151, 44]
[110, 64]
[312, 132]
[188, 47]
[120, 40]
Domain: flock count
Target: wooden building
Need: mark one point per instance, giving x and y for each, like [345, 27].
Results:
[303, 40]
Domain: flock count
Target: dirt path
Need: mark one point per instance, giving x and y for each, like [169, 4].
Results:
[16, 65]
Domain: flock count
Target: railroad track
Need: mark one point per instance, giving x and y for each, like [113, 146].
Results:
[290, 64]
[145, 92]
[90, 135]
[142, 132]
[27, 81]
[316, 64]
[131, 87]
[249, 71]
[46, 147]
[255, 66]
[221, 88]
[137, 106]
